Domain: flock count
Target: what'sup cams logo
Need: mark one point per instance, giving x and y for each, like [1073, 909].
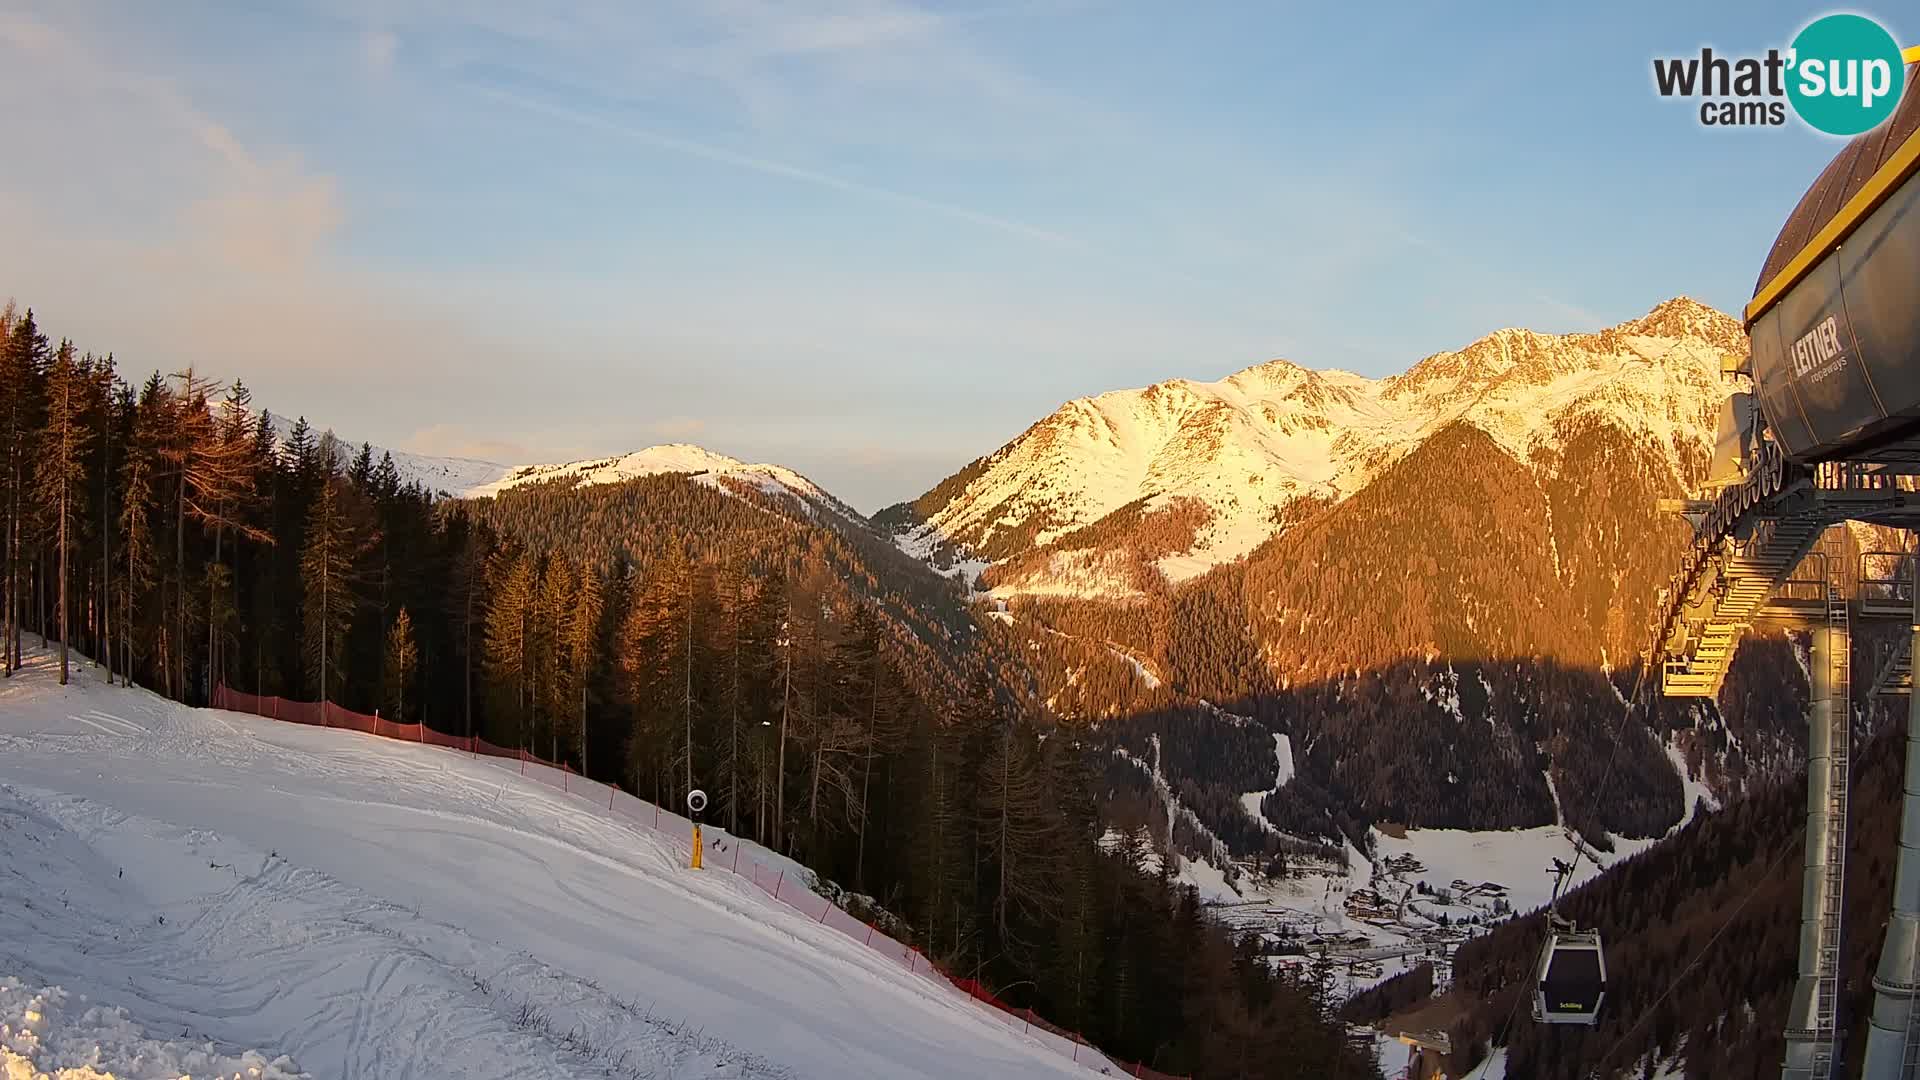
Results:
[1842, 75]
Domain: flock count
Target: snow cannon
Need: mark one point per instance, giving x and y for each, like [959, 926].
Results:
[1834, 326]
[696, 805]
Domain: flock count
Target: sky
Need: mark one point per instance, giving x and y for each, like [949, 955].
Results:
[867, 239]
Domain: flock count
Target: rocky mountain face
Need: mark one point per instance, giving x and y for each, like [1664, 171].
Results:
[1113, 494]
[1436, 584]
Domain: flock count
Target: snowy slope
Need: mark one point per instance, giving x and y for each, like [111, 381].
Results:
[444, 475]
[380, 909]
[1253, 443]
[469, 478]
[715, 469]
[448, 475]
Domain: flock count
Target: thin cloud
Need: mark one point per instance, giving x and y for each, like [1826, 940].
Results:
[378, 48]
[768, 167]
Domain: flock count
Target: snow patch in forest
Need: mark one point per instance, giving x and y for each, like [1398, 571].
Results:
[923, 543]
[1692, 790]
[1209, 880]
[1216, 860]
[1446, 694]
[1283, 772]
[1151, 680]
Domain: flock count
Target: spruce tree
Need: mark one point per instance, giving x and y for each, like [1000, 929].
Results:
[1017, 828]
[653, 655]
[328, 578]
[583, 633]
[469, 579]
[733, 689]
[512, 589]
[549, 630]
[226, 475]
[111, 420]
[403, 658]
[139, 479]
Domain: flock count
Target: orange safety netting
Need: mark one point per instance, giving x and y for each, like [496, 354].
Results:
[724, 854]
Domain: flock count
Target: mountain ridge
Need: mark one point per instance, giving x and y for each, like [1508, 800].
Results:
[1248, 446]
[716, 469]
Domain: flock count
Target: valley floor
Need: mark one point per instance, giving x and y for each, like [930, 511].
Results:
[375, 909]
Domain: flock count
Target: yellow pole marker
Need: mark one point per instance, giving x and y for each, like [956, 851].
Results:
[1911, 56]
[696, 845]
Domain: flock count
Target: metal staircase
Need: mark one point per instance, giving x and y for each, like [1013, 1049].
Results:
[1886, 592]
[1748, 540]
[1743, 585]
[1895, 675]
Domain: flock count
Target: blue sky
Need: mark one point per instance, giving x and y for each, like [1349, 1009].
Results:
[868, 239]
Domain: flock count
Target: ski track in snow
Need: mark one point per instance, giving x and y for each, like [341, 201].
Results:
[388, 911]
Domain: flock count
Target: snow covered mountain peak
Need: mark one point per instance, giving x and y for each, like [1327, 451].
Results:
[1685, 317]
[1207, 471]
[716, 469]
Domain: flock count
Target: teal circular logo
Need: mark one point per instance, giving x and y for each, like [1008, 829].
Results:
[1845, 75]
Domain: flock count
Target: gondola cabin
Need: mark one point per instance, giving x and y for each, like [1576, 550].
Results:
[1572, 979]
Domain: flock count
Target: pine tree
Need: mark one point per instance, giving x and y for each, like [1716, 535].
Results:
[402, 660]
[583, 632]
[23, 364]
[226, 476]
[1017, 830]
[139, 477]
[512, 592]
[301, 453]
[328, 578]
[786, 643]
[263, 581]
[108, 390]
[733, 601]
[549, 631]
[386, 478]
[469, 579]
[62, 486]
[654, 657]
[360, 473]
[870, 698]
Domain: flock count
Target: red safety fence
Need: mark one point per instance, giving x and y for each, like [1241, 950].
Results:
[725, 853]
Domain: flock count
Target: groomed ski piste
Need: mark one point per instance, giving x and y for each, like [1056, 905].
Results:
[205, 893]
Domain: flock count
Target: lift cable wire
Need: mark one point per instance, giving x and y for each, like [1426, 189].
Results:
[1563, 873]
[1647, 1013]
[1787, 848]
[1505, 1027]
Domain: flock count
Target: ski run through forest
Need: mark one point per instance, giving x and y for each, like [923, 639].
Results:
[160, 533]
